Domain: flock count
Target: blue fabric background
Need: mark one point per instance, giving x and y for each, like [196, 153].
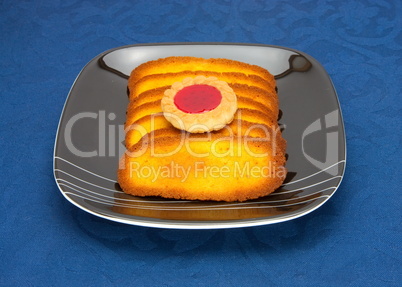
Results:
[353, 240]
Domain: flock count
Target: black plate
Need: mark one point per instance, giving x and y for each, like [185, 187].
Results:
[88, 143]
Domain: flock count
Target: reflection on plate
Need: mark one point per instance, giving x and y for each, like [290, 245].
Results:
[90, 134]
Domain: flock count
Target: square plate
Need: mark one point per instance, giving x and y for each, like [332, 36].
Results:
[90, 135]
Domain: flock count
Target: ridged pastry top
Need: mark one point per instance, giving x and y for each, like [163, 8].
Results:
[179, 64]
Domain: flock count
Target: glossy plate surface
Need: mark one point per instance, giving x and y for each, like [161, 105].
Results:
[90, 134]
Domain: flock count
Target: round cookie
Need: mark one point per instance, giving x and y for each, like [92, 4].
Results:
[199, 104]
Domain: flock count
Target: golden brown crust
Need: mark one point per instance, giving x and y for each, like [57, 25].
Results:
[146, 118]
[252, 162]
[160, 80]
[158, 126]
[248, 97]
[265, 98]
[251, 143]
[179, 64]
[135, 112]
[149, 96]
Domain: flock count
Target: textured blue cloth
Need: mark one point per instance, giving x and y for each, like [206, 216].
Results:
[353, 240]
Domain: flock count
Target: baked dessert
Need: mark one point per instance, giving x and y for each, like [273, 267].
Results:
[202, 129]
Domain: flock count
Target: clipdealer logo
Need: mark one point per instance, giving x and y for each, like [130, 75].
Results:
[104, 142]
[324, 125]
[111, 138]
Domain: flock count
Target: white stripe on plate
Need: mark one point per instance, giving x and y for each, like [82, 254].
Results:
[198, 208]
[311, 175]
[105, 178]
[209, 206]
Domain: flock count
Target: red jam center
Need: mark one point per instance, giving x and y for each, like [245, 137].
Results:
[197, 99]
